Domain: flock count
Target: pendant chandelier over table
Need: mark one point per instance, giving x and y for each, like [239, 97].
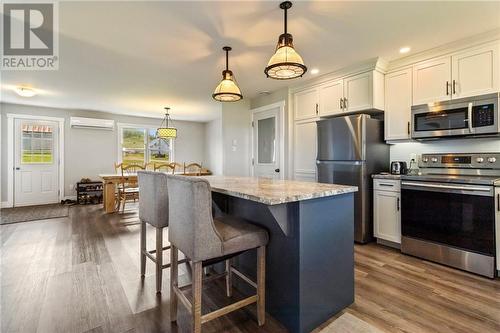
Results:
[166, 129]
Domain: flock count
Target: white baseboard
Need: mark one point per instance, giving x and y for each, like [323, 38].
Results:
[6, 204]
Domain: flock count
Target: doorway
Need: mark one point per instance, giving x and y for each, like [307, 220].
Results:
[35, 158]
[268, 141]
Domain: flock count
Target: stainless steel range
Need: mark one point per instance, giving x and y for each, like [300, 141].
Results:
[448, 210]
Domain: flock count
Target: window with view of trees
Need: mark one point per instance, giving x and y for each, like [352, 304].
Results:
[140, 145]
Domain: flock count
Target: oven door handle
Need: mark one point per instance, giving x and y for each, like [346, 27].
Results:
[480, 190]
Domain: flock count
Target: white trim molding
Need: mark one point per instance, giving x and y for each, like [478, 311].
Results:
[10, 153]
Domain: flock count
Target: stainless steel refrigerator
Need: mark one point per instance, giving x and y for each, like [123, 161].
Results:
[350, 150]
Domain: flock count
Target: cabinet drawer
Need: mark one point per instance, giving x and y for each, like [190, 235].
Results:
[393, 185]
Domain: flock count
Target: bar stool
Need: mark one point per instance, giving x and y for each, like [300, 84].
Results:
[205, 241]
[153, 209]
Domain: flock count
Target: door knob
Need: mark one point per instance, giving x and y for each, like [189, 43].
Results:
[18, 168]
[276, 170]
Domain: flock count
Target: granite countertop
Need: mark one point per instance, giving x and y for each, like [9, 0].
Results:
[386, 176]
[272, 191]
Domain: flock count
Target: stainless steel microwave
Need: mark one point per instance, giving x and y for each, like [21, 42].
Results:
[476, 115]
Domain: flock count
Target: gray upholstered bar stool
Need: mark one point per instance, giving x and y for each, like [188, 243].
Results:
[153, 209]
[205, 241]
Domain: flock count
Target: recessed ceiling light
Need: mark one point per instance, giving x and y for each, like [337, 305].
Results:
[405, 49]
[25, 91]
[314, 71]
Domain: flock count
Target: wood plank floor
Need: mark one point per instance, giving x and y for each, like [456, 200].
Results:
[81, 274]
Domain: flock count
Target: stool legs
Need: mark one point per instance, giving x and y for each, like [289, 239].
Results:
[159, 258]
[261, 285]
[143, 248]
[229, 279]
[174, 276]
[196, 305]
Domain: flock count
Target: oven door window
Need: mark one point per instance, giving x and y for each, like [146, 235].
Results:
[463, 221]
[442, 120]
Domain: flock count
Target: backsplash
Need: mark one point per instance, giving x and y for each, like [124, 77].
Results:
[403, 151]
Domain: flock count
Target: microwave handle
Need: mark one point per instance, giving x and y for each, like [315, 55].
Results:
[469, 118]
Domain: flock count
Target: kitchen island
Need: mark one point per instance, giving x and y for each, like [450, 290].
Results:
[310, 255]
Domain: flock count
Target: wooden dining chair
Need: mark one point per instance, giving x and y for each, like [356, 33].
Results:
[118, 167]
[128, 190]
[166, 167]
[176, 167]
[192, 169]
[149, 166]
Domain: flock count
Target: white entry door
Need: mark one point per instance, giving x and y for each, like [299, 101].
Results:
[267, 143]
[36, 162]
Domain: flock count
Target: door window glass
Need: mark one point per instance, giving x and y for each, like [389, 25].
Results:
[37, 144]
[266, 132]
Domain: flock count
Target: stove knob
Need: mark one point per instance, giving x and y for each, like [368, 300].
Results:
[479, 160]
[434, 160]
[425, 159]
[492, 159]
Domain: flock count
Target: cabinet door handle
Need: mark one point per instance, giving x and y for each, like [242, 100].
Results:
[340, 103]
[447, 86]
[316, 108]
[454, 87]
[408, 128]
[498, 202]
[388, 185]
[345, 103]
[397, 204]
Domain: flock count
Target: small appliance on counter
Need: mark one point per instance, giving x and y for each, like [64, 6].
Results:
[399, 168]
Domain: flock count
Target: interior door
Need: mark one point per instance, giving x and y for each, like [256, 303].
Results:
[36, 162]
[266, 143]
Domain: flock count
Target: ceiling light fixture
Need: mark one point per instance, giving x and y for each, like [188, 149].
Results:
[405, 49]
[227, 90]
[167, 131]
[25, 91]
[286, 63]
[314, 71]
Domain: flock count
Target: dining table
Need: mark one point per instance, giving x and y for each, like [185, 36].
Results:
[112, 180]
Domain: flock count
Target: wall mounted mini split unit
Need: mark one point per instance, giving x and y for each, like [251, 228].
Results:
[92, 123]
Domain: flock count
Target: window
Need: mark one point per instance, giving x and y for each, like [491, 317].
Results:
[37, 144]
[140, 145]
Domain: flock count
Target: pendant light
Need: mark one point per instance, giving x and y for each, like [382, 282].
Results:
[227, 90]
[166, 129]
[286, 63]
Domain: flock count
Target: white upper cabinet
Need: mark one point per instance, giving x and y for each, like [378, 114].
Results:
[349, 94]
[432, 81]
[306, 104]
[475, 72]
[398, 99]
[330, 98]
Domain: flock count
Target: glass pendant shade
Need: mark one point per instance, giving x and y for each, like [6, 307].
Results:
[166, 131]
[286, 63]
[227, 90]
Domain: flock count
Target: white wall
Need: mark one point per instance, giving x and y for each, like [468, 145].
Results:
[403, 151]
[236, 138]
[213, 146]
[91, 152]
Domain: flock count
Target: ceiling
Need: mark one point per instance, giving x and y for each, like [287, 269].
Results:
[137, 57]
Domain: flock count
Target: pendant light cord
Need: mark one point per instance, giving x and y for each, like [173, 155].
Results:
[285, 9]
[227, 59]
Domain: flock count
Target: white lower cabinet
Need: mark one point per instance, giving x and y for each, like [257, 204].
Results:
[387, 210]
